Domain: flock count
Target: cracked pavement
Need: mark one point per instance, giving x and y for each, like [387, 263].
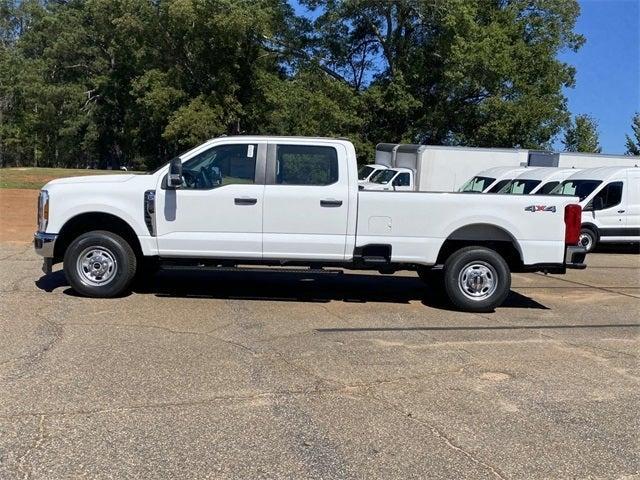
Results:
[274, 375]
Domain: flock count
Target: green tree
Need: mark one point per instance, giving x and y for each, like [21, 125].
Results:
[582, 135]
[633, 144]
[481, 73]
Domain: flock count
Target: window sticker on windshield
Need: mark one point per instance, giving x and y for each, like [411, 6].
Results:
[250, 151]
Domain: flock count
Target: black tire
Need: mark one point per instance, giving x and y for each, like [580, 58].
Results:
[588, 239]
[112, 271]
[434, 279]
[483, 264]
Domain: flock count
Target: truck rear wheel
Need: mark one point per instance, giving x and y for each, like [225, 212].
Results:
[477, 279]
[99, 264]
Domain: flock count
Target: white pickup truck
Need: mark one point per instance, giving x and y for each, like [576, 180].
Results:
[237, 202]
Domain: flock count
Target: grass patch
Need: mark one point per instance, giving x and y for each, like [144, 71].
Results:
[35, 178]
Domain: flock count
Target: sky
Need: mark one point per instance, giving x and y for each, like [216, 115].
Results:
[608, 68]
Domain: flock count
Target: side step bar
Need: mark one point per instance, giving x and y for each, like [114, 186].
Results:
[215, 268]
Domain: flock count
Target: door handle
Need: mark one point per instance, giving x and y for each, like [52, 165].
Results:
[245, 201]
[330, 203]
[620, 211]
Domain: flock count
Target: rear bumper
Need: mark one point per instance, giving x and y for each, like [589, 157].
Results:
[574, 257]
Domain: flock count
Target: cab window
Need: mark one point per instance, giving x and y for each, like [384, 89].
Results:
[402, 180]
[611, 195]
[219, 166]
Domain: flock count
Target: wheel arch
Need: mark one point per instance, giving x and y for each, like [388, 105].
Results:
[483, 235]
[89, 221]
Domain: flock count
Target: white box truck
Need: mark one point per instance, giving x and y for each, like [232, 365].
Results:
[438, 168]
[583, 160]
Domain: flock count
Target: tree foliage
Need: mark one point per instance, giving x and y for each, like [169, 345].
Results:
[110, 82]
[633, 144]
[582, 135]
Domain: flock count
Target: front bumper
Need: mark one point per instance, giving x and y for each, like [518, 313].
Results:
[574, 257]
[44, 244]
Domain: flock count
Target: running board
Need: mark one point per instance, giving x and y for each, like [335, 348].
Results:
[214, 268]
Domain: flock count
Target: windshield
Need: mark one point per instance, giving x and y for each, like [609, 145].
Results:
[364, 172]
[576, 188]
[477, 184]
[520, 187]
[384, 176]
[499, 186]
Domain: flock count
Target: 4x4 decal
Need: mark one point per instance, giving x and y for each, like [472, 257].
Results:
[540, 208]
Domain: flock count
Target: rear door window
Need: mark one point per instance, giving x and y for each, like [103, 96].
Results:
[306, 165]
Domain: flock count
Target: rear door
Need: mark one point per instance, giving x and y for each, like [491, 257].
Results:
[306, 201]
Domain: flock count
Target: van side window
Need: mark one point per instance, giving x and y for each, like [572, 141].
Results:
[402, 180]
[306, 165]
[611, 194]
[220, 165]
[546, 188]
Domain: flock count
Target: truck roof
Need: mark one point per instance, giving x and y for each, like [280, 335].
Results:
[599, 173]
[278, 138]
[499, 171]
[542, 173]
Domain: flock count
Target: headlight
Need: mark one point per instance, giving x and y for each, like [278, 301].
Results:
[43, 210]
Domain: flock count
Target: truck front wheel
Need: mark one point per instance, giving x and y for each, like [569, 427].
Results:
[476, 279]
[99, 264]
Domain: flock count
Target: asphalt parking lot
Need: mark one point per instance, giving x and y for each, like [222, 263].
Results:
[272, 375]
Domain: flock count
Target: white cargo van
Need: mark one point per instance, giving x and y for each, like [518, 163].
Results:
[537, 180]
[492, 180]
[610, 199]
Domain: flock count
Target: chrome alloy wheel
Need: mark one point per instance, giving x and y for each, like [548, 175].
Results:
[586, 241]
[96, 266]
[478, 280]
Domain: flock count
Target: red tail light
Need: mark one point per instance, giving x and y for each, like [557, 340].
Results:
[572, 222]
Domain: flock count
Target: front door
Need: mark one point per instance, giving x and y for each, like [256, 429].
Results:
[218, 210]
[306, 202]
[608, 209]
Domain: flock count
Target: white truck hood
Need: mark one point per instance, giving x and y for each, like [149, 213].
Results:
[93, 179]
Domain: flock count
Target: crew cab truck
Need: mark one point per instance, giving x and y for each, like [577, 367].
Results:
[237, 202]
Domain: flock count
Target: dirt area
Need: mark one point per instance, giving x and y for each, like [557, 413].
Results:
[35, 178]
[18, 208]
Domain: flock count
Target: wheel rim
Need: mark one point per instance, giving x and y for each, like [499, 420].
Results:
[96, 266]
[478, 280]
[586, 240]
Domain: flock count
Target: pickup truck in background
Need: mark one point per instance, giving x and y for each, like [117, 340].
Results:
[237, 202]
